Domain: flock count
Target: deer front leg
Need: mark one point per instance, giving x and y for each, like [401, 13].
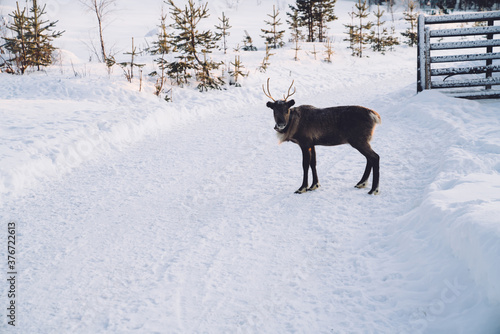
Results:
[306, 160]
[315, 183]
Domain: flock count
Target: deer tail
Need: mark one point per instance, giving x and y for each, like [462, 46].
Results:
[376, 117]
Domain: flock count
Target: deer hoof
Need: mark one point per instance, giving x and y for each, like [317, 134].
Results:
[301, 190]
[313, 187]
[361, 185]
[374, 192]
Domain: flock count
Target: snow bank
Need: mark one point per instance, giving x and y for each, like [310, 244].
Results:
[461, 205]
[50, 126]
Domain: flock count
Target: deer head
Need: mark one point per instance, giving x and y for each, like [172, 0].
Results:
[281, 108]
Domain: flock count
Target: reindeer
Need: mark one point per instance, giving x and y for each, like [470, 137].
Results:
[308, 126]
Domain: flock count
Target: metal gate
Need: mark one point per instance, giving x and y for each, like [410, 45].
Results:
[471, 61]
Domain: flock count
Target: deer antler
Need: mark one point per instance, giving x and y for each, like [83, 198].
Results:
[268, 94]
[288, 94]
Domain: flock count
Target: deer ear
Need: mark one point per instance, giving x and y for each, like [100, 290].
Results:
[270, 105]
[290, 103]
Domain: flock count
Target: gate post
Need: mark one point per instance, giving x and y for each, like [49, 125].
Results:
[427, 58]
[489, 49]
[421, 61]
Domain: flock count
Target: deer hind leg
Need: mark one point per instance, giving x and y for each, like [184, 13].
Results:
[364, 179]
[376, 175]
[372, 162]
[315, 184]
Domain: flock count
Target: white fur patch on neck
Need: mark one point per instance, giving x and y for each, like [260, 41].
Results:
[281, 137]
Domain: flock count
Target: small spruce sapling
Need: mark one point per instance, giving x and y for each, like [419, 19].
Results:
[223, 31]
[297, 35]
[380, 38]
[296, 48]
[314, 52]
[178, 72]
[237, 72]
[360, 30]
[274, 36]
[411, 16]
[294, 25]
[31, 43]
[128, 66]
[18, 45]
[248, 43]
[350, 32]
[205, 76]
[41, 37]
[328, 50]
[206, 79]
[161, 47]
[265, 62]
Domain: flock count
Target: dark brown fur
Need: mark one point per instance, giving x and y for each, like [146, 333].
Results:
[308, 126]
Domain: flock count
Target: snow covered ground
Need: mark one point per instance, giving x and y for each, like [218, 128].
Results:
[139, 216]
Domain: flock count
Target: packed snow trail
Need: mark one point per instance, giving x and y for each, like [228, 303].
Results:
[197, 230]
[139, 216]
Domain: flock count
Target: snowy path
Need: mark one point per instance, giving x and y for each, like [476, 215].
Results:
[198, 230]
[138, 216]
